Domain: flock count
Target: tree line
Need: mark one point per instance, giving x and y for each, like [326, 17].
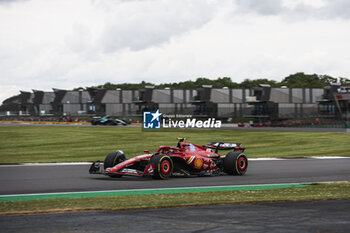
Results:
[297, 80]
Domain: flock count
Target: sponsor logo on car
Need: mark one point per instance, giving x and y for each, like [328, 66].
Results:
[198, 163]
[127, 170]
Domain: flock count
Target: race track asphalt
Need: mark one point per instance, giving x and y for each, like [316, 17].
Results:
[75, 178]
[311, 216]
[223, 126]
[280, 217]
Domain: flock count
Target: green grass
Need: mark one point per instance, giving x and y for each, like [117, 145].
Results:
[19, 144]
[312, 192]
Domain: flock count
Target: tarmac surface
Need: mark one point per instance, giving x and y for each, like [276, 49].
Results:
[279, 217]
[223, 126]
[312, 216]
[74, 178]
[290, 129]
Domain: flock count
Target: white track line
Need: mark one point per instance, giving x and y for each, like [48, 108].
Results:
[330, 157]
[313, 157]
[88, 163]
[45, 164]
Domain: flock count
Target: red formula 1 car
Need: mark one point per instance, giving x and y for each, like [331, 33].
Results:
[185, 159]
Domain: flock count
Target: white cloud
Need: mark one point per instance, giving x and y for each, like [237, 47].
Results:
[140, 24]
[67, 44]
[337, 9]
[266, 7]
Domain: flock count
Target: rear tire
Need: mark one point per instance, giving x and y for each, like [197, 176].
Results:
[235, 163]
[163, 166]
[113, 159]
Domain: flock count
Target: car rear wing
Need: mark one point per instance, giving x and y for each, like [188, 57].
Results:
[222, 146]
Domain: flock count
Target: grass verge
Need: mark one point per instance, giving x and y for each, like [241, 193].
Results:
[22, 144]
[306, 193]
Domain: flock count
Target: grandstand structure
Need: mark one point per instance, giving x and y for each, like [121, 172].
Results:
[263, 103]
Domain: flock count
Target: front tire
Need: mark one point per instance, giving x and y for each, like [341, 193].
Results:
[113, 159]
[163, 166]
[235, 163]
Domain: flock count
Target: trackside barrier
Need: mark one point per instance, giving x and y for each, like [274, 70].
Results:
[53, 123]
[46, 122]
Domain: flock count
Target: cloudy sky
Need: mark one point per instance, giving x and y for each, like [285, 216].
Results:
[71, 43]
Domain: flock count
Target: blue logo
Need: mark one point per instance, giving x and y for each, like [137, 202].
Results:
[192, 148]
[151, 120]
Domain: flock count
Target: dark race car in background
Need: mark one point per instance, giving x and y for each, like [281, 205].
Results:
[107, 120]
[186, 159]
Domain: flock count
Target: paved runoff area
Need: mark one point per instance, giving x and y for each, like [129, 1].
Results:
[65, 179]
[279, 217]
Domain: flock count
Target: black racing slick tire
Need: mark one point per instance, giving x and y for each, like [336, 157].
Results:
[235, 163]
[113, 159]
[163, 166]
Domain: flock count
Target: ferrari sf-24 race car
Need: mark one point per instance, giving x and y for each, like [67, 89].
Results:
[186, 159]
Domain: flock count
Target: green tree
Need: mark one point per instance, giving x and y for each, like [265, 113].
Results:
[247, 83]
[307, 80]
[344, 81]
[297, 80]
